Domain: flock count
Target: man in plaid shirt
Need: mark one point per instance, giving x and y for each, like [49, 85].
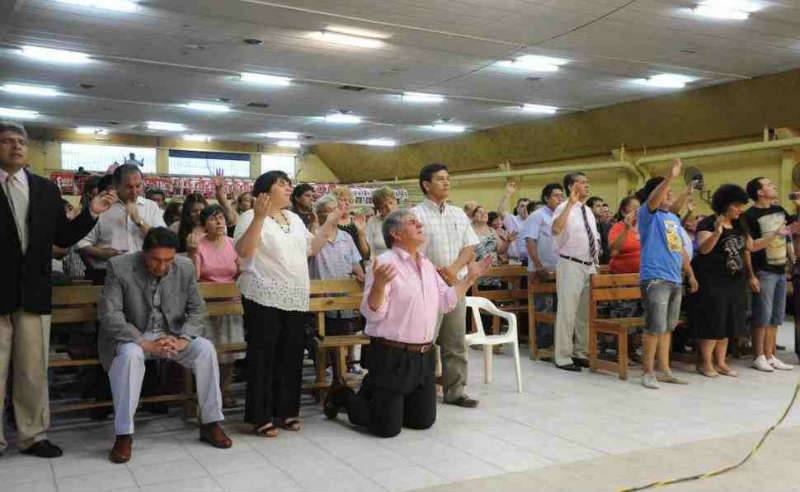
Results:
[450, 246]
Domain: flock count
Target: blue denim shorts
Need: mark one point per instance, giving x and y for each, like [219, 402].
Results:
[769, 305]
[662, 305]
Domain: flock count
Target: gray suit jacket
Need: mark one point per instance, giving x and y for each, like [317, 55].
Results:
[125, 304]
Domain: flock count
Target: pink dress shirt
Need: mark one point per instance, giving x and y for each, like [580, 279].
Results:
[413, 300]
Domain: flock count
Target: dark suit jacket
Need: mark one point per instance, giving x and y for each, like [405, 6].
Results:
[126, 303]
[25, 279]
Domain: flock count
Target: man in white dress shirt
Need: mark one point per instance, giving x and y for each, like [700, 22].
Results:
[578, 246]
[450, 242]
[122, 229]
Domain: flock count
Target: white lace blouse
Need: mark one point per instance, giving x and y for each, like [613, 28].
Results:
[277, 273]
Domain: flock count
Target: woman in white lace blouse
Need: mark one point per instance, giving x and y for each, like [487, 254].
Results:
[273, 245]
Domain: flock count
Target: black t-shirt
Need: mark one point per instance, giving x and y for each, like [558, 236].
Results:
[727, 257]
[761, 221]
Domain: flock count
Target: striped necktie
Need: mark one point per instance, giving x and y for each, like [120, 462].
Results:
[590, 235]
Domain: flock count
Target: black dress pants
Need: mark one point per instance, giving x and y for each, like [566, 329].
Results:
[399, 391]
[275, 343]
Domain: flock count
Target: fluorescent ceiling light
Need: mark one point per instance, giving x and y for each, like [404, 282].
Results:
[210, 107]
[379, 142]
[534, 63]
[343, 118]
[346, 39]
[726, 9]
[666, 81]
[420, 97]
[55, 56]
[18, 113]
[118, 5]
[288, 143]
[163, 126]
[29, 90]
[193, 137]
[539, 109]
[263, 79]
[356, 31]
[283, 135]
[91, 130]
[447, 128]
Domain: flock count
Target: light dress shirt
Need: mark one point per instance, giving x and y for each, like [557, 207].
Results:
[447, 231]
[115, 229]
[413, 300]
[517, 250]
[573, 240]
[539, 227]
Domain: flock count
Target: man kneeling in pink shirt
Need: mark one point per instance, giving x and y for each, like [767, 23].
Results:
[404, 296]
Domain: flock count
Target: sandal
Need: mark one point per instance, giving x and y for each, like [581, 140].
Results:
[293, 425]
[267, 430]
[728, 372]
[708, 374]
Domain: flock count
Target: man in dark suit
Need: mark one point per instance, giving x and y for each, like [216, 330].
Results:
[32, 220]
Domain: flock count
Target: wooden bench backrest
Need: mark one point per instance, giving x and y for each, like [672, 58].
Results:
[75, 303]
[609, 287]
[334, 295]
[542, 286]
[512, 276]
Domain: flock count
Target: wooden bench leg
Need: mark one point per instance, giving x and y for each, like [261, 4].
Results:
[592, 348]
[341, 365]
[189, 407]
[322, 364]
[622, 353]
[532, 342]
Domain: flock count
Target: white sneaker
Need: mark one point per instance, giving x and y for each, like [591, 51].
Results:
[761, 364]
[650, 381]
[778, 364]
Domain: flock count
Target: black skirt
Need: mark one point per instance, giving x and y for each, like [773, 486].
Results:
[720, 310]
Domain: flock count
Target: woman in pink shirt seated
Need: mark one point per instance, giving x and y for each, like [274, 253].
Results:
[215, 260]
[403, 299]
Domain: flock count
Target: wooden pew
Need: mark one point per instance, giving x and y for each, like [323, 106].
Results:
[512, 297]
[604, 288]
[539, 287]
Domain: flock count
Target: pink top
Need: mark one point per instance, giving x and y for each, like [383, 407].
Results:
[413, 300]
[216, 264]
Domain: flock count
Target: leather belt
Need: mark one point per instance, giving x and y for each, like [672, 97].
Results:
[587, 263]
[408, 347]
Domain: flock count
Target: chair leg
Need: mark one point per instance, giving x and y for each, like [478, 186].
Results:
[622, 353]
[488, 350]
[515, 347]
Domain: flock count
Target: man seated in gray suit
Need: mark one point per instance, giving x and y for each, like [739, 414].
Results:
[151, 307]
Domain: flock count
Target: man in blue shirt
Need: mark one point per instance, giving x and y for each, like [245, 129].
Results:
[662, 256]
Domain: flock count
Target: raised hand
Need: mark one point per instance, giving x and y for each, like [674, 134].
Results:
[193, 241]
[476, 269]
[103, 202]
[675, 168]
[718, 224]
[630, 220]
[360, 222]
[336, 216]
[261, 206]
[219, 182]
[383, 274]
[132, 209]
[511, 187]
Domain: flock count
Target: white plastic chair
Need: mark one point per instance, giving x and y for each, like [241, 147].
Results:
[489, 341]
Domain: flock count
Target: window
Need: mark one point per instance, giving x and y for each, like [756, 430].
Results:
[99, 157]
[193, 163]
[278, 162]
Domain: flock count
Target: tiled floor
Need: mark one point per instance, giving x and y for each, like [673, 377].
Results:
[561, 419]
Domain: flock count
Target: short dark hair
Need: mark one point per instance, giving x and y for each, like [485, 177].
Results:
[427, 172]
[211, 211]
[299, 191]
[620, 215]
[264, 182]
[154, 191]
[532, 206]
[753, 187]
[725, 196]
[570, 178]
[549, 189]
[160, 237]
[592, 200]
[105, 182]
[124, 170]
[10, 126]
[493, 216]
[644, 194]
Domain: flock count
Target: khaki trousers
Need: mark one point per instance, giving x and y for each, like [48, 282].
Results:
[450, 332]
[25, 342]
[572, 287]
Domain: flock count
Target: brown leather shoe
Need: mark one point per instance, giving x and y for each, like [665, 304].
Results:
[213, 434]
[121, 452]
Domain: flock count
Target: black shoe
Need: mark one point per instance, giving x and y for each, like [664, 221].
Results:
[43, 449]
[570, 367]
[335, 399]
[464, 402]
[580, 362]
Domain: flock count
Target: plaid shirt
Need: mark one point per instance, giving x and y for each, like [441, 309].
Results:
[335, 261]
[447, 231]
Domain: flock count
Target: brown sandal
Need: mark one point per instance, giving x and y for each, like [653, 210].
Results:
[267, 430]
[293, 425]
